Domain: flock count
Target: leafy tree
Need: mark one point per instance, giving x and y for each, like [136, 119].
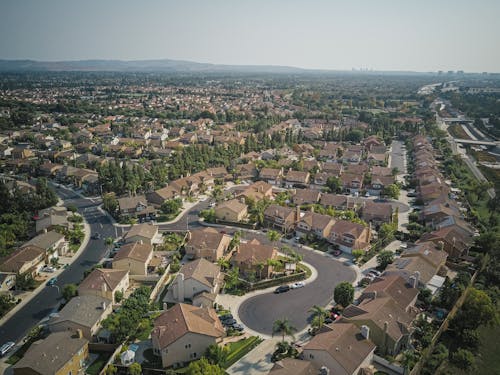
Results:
[135, 369]
[392, 191]
[344, 294]
[478, 309]
[69, 291]
[171, 206]
[6, 303]
[357, 254]
[111, 370]
[203, 367]
[425, 295]
[463, 359]
[354, 136]
[208, 215]
[216, 355]
[334, 184]
[386, 232]
[273, 236]
[110, 203]
[25, 281]
[384, 258]
[283, 327]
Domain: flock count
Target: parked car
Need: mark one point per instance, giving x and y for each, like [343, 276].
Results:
[297, 285]
[52, 281]
[336, 253]
[328, 320]
[96, 236]
[238, 327]
[374, 272]
[229, 322]
[5, 348]
[48, 269]
[225, 317]
[282, 289]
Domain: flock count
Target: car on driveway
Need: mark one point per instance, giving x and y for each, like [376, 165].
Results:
[374, 272]
[229, 322]
[225, 317]
[297, 285]
[282, 289]
[48, 269]
[238, 327]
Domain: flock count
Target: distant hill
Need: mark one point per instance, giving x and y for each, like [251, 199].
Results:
[173, 66]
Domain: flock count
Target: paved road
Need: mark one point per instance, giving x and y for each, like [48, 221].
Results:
[260, 312]
[398, 155]
[49, 298]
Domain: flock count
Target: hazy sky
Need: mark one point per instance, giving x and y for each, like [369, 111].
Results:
[422, 35]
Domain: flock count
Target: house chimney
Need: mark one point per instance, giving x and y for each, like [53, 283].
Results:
[365, 331]
[297, 213]
[416, 277]
[104, 288]
[103, 305]
[324, 370]
[79, 333]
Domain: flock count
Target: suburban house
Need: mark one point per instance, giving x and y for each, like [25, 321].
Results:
[378, 183]
[342, 348]
[293, 366]
[376, 213]
[136, 207]
[27, 259]
[232, 210]
[54, 243]
[252, 258]
[84, 313]
[421, 263]
[386, 308]
[134, 257]
[246, 171]
[350, 236]
[207, 243]
[306, 196]
[105, 283]
[338, 202]
[372, 141]
[159, 196]
[182, 333]
[50, 218]
[316, 224]
[352, 183]
[455, 241]
[271, 176]
[282, 218]
[7, 282]
[257, 191]
[60, 353]
[297, 178]
[145, 233]
[196, 281]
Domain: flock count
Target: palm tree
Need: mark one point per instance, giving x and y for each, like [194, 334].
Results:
[319, 314]
[283, 327]
[273, 236]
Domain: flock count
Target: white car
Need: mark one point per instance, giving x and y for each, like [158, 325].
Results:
[297, 285]
[48, 269]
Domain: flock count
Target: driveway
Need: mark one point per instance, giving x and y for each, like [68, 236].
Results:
[259, 312]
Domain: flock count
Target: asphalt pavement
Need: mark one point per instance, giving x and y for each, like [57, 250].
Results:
[49, 299]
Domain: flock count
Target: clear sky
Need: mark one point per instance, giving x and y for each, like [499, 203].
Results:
[420, 35]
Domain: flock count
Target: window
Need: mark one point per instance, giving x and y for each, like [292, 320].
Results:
[311, 356]
[187, 346]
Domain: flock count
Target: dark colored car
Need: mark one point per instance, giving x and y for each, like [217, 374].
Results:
[225, 317]
[282, 289]
[52, 281]
[229, 322]
[96, 236]
[238, 327]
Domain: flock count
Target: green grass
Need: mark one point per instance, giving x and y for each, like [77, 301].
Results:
[239, 349]
[96, 366]
[488, 360]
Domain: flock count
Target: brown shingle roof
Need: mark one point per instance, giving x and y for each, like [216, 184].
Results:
[101, 276]
[201, 270]
[254, 252]
[292, 366]
[134, 250]
[15, 261]
[181, 319]
[142, 230]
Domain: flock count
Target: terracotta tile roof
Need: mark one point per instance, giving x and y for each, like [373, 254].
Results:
[180, 319]
[345, 344]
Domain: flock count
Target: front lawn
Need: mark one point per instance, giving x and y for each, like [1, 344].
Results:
[239, 349]
[96, 366]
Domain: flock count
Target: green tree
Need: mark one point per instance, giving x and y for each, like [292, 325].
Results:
[203, 367]
[358, 254]
[6, 303]
[171, 206]
[273, 236]
[111, 370]
[384, 258]
[216, 354]
[318, 314]
[283, 327]
[463, 359]
[334, 184]
[478, 309]
[344, 294]
[69, 291]
[110, 203]
[386, 232]
[392, 191]
[135, 369]
[425, 295]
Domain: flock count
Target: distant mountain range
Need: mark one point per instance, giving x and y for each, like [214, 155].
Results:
[166, 66]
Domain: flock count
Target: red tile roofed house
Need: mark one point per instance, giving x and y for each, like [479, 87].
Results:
[194, 278]
[306, 196]
[105, 283]
[232, 210]
[316, 224]
[350, 236]
[251, 258]
[371, 141]
[351, 182]
[134, 257]
[283, 218]
[257, 191]
[456, 242]
[376, 213]
[422, 262]
[341, 348]
[182, 333]
[207, 243]
[271, 176]
[389, 324]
